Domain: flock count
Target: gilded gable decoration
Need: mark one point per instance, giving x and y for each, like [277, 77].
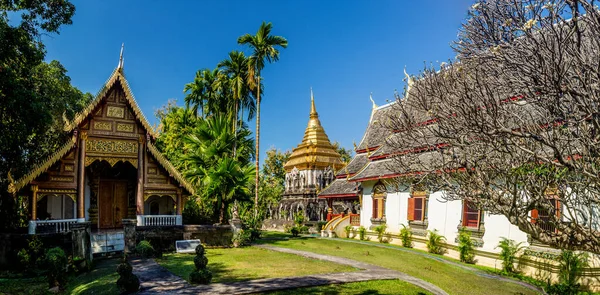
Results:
[102, 125]
[115, 112]
[124, 127]
[111, 146]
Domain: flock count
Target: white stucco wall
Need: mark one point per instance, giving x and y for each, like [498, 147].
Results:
[445, 216]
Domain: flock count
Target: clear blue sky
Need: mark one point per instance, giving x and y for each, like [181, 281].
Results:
[343, 49]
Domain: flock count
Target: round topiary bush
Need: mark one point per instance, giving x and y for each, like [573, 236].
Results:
[200, 250]
[145, 249]
[128, 282]
[200, 262]
[56, 260]
[201, 275]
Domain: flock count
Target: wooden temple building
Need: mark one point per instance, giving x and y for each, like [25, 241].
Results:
[310, 168]
[109, 170]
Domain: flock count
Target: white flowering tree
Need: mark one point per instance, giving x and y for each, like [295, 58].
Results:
[513, 124]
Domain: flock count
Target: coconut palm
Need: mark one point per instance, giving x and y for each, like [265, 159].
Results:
[264, 49]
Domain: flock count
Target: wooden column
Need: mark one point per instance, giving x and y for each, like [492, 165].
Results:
[81, 177]
[179, 203]
[34, 190]
[139, 195]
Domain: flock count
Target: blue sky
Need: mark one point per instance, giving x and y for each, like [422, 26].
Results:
[344, 50]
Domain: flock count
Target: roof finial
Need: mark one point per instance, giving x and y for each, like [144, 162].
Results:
[371, 98]
[121, 57]
[313, 109]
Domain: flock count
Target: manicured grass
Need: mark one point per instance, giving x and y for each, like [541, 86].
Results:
[101, 280]
[452, 279]
[387, 287]
[249, 263]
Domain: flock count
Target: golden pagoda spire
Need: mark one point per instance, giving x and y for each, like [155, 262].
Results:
[313, 109]
[315, 151]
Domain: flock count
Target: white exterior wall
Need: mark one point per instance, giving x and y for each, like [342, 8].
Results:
[445, 216]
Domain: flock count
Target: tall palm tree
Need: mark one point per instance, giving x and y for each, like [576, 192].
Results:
[236, 69]
[202, 93]
[264, 48]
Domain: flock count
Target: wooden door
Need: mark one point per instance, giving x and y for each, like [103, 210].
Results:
[112, 203]
[120, 201]
[105, 204]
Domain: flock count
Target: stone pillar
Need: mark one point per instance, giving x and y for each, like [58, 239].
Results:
[81, 240]
[81, 178]
[129, 226]
[139, 195]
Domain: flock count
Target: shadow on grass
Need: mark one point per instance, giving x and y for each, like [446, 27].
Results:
[223, 274]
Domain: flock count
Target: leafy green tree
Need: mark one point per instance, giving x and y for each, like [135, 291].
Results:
[203, 94]
[272, 178]
[235, 68]
[208, 162]
[34, 95]
[264, 49]
[345, 153]
[175, 123]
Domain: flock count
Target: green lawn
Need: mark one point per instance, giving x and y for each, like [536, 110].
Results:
[249, 263]
[387, 287]
[101, 280]
[452, 279]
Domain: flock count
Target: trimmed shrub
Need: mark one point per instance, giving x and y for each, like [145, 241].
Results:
[201, 275]
[32, 257]
[380, 232]
[348, 230]
[406, 236]
[56, 260]
[362, 233]
[295, 231]
[465, 247]
[241, 238]
[145, 249]
[435, 243]
[128, 282]
[508, 254]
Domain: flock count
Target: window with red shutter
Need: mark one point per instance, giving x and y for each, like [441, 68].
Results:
[375, 208]
[471, 215]
[419, 209]
[411, 209]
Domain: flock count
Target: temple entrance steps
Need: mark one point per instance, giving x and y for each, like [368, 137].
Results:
[107, 241]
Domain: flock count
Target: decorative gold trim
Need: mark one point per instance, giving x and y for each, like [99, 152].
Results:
[124, 127]
[69, 167]
[115, 112]
[71, 196]
[111, 146]
[117, 75]
[170, 168]
[111, 160]
[102, 125]
[147, 195]
[43, 166]
[61, 178]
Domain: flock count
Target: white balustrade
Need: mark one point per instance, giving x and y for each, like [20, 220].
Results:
[55, 225]
[159, 220]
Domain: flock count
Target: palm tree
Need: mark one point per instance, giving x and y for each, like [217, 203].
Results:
[236, 69]
[203, 95]
[264, 48]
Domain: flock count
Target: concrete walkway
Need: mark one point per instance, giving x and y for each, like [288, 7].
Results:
[477, 271]
[157, 280]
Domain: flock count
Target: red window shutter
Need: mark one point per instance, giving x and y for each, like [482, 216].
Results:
[423, 208]
[558, 208]
[534, 215]
[375, 208]
[411, 209]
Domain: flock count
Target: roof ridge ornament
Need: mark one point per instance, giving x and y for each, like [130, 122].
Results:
[120, 66]
[371, 98]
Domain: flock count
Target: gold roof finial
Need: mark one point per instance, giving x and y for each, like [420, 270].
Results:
[121, 57]
[313, 109]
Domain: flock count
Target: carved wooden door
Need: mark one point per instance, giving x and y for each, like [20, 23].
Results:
[120, 202]
[112, 203]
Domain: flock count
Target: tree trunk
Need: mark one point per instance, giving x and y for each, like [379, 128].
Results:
[257, 146]
[222, 212]
[235, 130]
